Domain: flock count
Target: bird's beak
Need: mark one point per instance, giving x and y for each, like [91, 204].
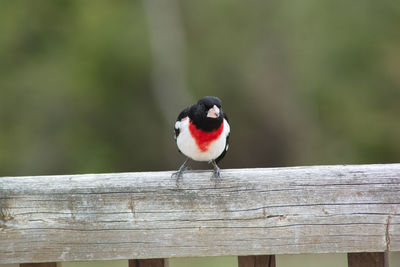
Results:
[213, 112]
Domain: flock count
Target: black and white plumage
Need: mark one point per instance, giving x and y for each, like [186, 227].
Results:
[202, 133]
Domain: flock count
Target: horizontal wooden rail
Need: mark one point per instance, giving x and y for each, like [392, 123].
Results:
[315, 209]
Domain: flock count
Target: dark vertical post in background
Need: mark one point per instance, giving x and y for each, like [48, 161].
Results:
[367, 259]
[257, 261]
[148, 263]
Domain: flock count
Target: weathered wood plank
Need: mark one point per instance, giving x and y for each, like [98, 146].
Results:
[366, 259]
[256, 261]
[316, 209]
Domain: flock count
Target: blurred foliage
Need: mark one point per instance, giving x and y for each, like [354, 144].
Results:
[230, 261]
[303, 82]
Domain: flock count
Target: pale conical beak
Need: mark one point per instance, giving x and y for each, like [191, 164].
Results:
[213, 112]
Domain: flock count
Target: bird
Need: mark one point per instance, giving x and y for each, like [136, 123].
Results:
[202, 134]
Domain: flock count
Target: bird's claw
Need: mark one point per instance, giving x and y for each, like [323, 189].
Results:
[177, 175]
[217, 175]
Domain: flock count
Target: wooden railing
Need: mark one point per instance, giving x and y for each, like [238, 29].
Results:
[317, 209]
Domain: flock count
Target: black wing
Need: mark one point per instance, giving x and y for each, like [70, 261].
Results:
[226, 145]
[182, 115]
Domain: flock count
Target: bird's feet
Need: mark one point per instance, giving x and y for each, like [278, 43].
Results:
[217, 173]
[177, 175]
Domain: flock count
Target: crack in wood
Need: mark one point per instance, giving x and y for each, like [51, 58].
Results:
[314, 204]
[131, 207]
[193, 227]
[387, 233]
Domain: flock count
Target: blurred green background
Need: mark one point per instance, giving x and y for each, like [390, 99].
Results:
[95, 86]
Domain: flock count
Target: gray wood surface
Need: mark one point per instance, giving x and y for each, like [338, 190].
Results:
[315, 209]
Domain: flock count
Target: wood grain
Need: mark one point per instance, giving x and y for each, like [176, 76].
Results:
[317, 209]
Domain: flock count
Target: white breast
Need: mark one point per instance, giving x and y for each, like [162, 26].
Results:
[187, 145]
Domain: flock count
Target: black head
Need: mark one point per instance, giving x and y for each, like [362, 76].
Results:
[207, 113]
[210, 101]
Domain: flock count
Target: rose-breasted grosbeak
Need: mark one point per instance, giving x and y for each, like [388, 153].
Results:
[202, 133]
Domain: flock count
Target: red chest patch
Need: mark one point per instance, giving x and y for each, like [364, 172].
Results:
[204, 139]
